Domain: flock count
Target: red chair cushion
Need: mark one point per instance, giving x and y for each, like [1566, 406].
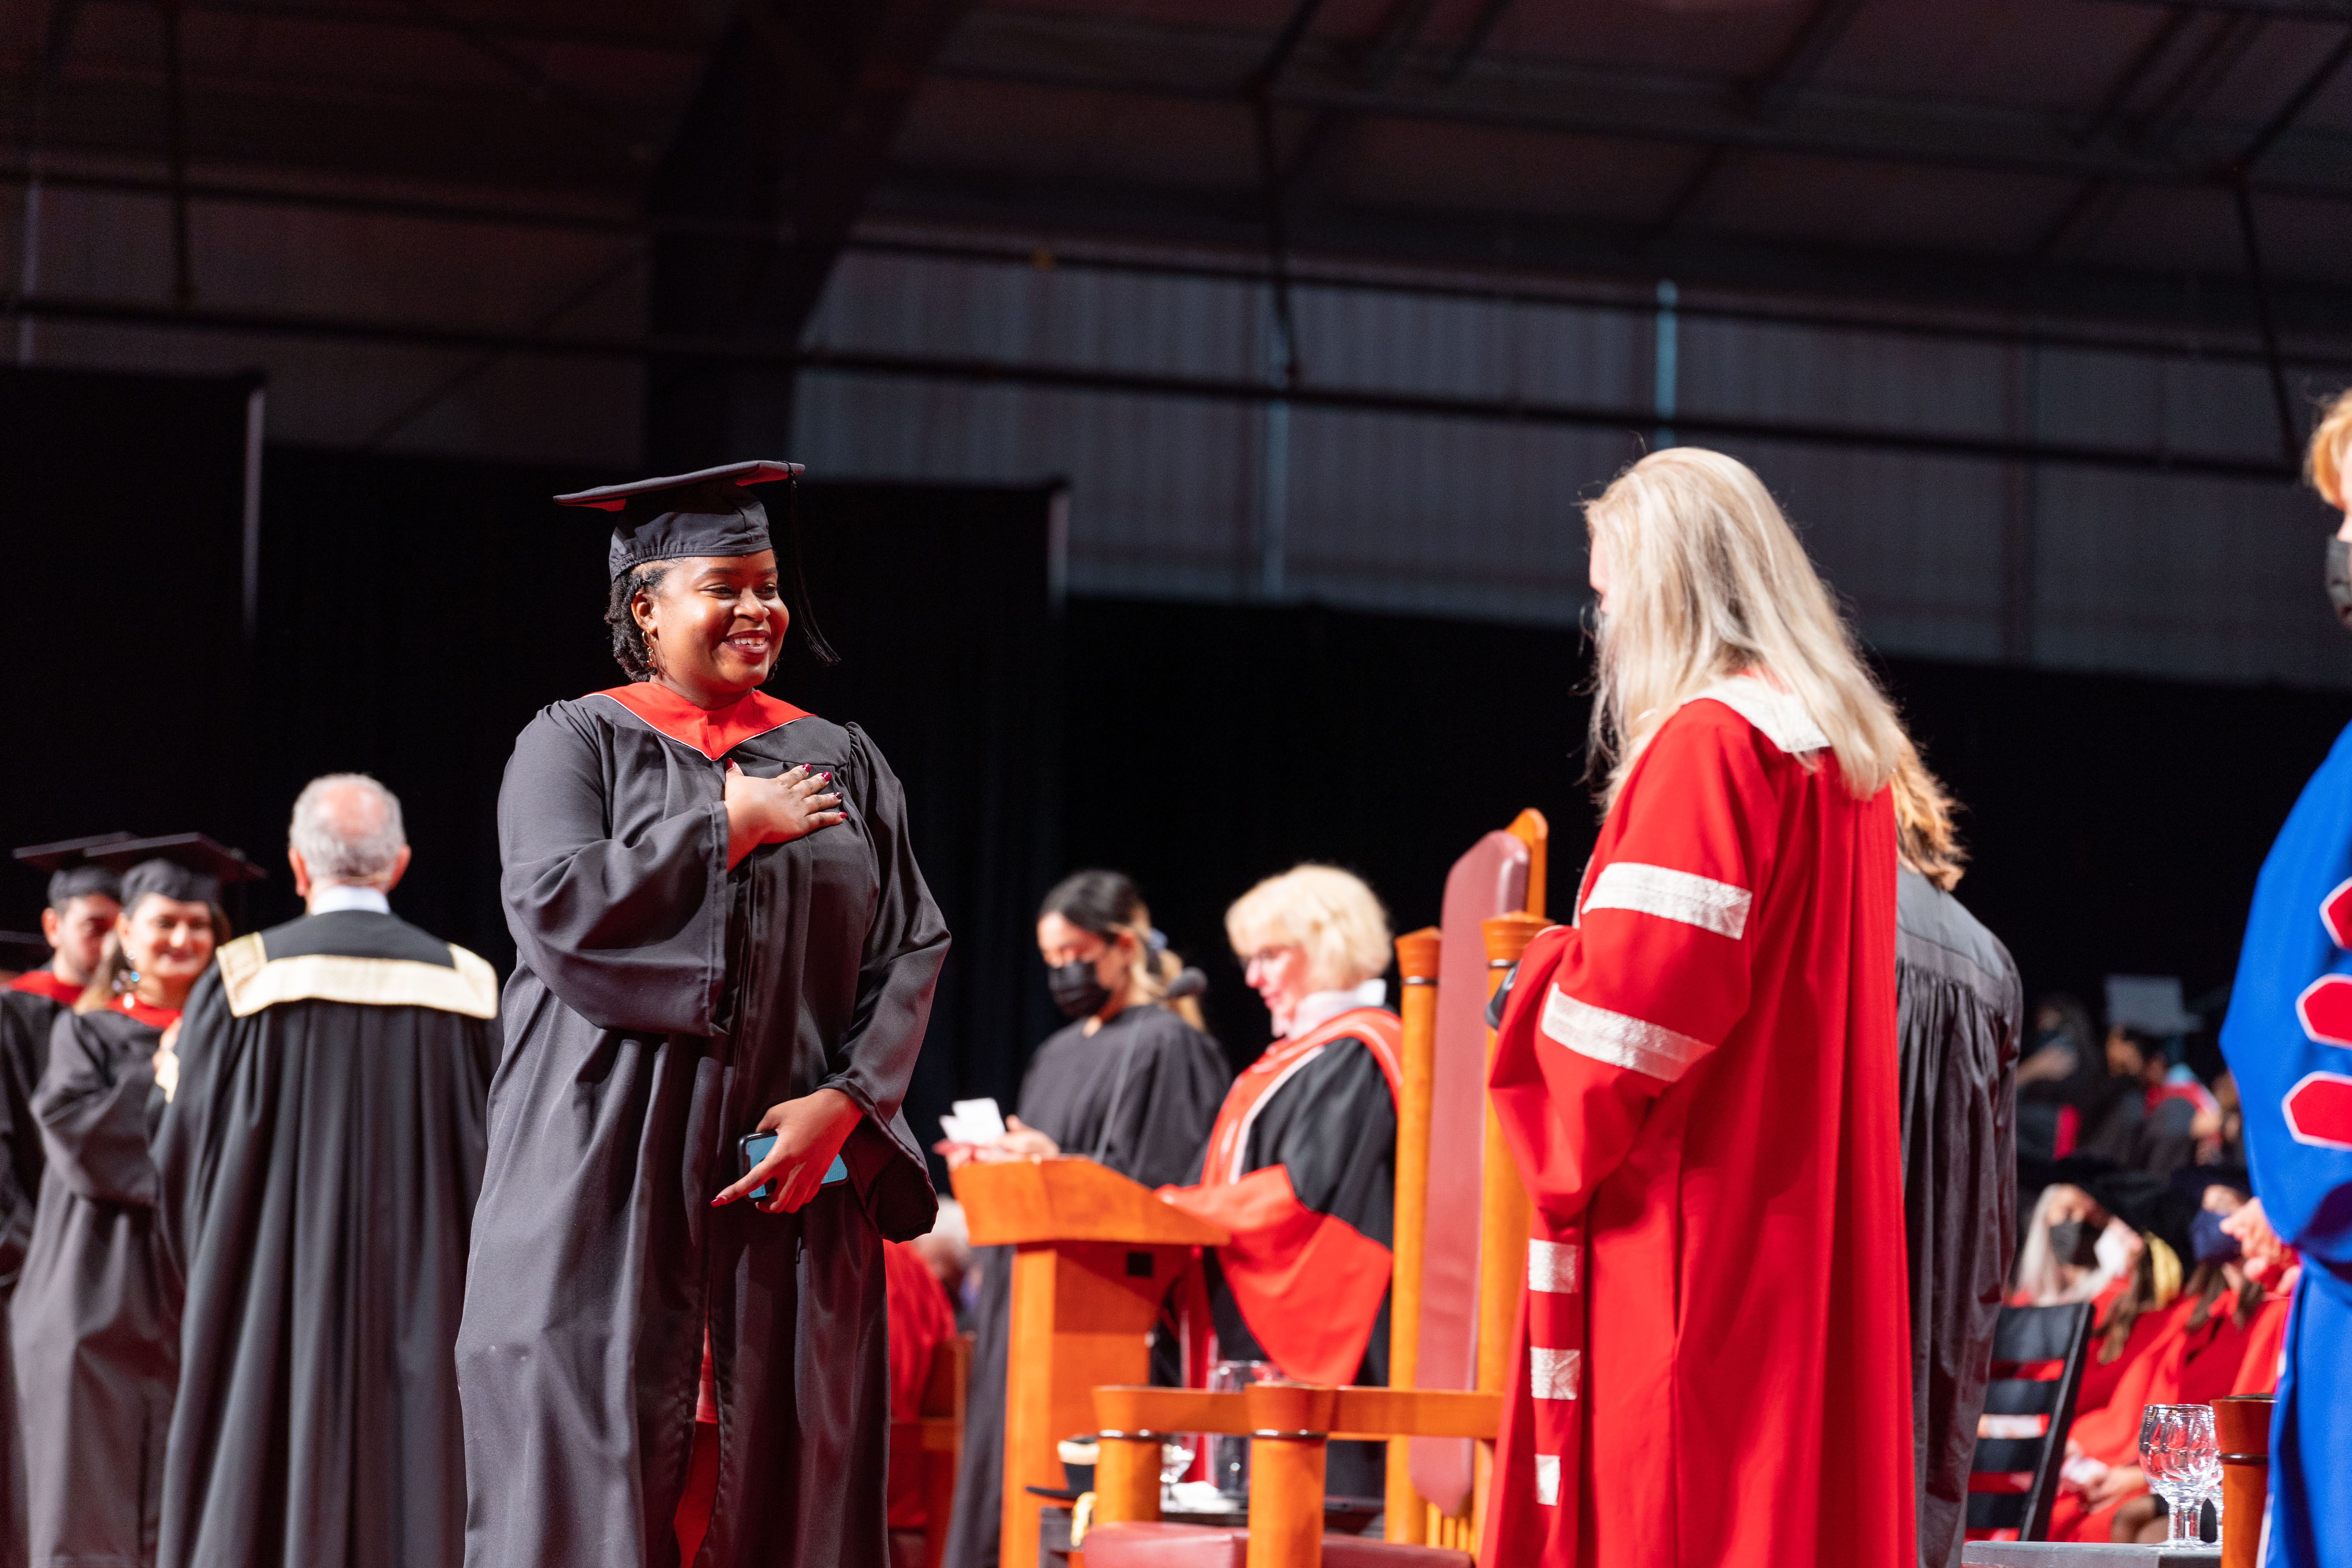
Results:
[1133, 1545]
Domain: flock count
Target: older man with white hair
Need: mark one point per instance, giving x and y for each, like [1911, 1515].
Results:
[319, 1161]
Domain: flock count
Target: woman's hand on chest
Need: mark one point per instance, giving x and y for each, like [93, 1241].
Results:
[794, 805]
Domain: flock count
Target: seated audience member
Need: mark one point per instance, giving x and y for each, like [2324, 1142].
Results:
[2132, 1314]
[1302, 1158]
[2270, 1262]
[2196, 1358]
[2074, 1250]
[2063, 1071]
[2151, 1114]
[920, 1322]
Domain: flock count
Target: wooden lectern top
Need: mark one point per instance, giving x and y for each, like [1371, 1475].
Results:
[1071, 1200]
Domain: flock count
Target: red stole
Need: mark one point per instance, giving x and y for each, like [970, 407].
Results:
[713, 732]
[1309, 1285]
[152, 1016]
[45, 983]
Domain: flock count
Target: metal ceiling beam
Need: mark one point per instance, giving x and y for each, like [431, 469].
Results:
[1517, 287]
[771, 355]
[792, 124]
[395, 16]
[1092, 54]
[1582, 246]
[1816, 40]
[2286, 10]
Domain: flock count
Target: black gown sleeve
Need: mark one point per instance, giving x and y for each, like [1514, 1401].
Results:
[905, 945]
[629, 932]
[92, 1106]
[1163, 1108]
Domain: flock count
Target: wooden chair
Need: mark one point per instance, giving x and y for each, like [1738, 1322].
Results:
[1288, 1426]
[2037, 1362]
[1495, 903]
[937, 1435]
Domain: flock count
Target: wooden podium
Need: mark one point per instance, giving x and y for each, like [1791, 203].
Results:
[1096, 1255]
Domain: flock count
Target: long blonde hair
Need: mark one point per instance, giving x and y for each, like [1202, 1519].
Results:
[1925, 837]
[1708, 580]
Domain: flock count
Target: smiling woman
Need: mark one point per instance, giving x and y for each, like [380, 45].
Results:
[97, 1313]
[721, 931]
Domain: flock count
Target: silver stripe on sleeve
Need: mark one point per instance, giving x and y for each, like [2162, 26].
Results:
[1551, 1374]
[1618, 1039]
[1551, 1266]
[1548, 1479]
[1672, 895]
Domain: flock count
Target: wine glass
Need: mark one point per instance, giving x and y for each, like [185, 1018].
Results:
[1229, 1452]
[2183, 1462]
[1175, 1458]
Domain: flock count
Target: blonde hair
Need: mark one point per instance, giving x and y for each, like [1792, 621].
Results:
[1924, 838]
[1328, 913]
[1708, 581]
[2323, 460]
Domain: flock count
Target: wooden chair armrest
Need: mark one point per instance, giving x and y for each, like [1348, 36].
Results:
[1371, 1415]
[1362, 1415]
[1123, 1407]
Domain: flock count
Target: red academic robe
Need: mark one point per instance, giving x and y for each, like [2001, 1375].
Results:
[2184, 1365]
[920, 1322]
[45, 983]
[1698, 1084]
[1309, 1283]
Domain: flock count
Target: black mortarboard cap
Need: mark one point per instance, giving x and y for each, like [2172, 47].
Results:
[707, 512]
[184, 866]
[23, 952]
[72, 871]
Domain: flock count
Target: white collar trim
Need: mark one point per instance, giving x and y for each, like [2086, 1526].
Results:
[1318, 1008]
[1779, 714]
[338, 896]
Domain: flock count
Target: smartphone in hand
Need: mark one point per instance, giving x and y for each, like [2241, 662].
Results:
[755, 1147]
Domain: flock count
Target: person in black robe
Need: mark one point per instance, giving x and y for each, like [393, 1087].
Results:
[1960, 1014]
[1131, 1083]
[319, 1165]
[96, 1318]
[720, 929]
[27, 1018]
[1304, 1151]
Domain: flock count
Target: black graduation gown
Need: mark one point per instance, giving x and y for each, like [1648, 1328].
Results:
[1333, 1126]
[659, 1004]
[25, 1019]
[97, 1315]
[1958, 1010]
[1138, 1096]
[320, 1162]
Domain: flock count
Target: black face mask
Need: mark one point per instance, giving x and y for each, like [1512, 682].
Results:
[2075, 1241]
[2340, 579]
[1077, 990]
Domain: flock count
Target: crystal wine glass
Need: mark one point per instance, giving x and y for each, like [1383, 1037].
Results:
[2183, 1461]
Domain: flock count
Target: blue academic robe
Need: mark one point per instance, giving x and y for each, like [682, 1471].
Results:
[2288, 1039]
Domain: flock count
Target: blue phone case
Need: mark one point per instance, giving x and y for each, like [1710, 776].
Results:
[755, 1147]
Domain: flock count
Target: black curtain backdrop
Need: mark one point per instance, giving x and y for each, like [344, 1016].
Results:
[122, 511]
[415, 613]
[2116, 824]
